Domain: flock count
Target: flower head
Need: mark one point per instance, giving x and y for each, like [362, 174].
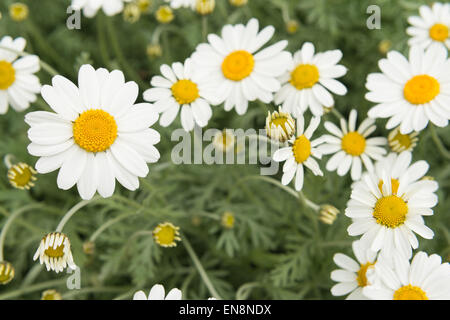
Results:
[352, 277]
[18, 83]
[431, 27]
[164, 14]
[237, 70]
[411, 93]
[300, 152]
[51, 294]
[91, 7]
[280, 126]
[328, 213]
[18, 11]
[6, 272]
[228, 220]
[205, 7]
[158, 293]
[238, 3]
[308, 81]
[166, 234]
[425, 278]
[96, 135]
[22, 176]
[351, 146]
[399, 142]
[387, 207]
[54, 251]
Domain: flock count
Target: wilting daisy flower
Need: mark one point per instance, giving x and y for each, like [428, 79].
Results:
[300, 153]
[413, 92]
[280, 126]
[431, 27]
[90, 7]
[351, 146]
[54, 251]
[328, 213]
[352, 276]
[51, 294]
[236, 70]
[307, 80]
[387, 209]
[426, 278]
[96, 135]
[158, 293]
[22, 176]
[179, 87]
[18, 84]
[166, 234]
[402, 142]
[182, 3]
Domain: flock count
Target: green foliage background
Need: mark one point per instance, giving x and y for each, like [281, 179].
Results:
[278, 249]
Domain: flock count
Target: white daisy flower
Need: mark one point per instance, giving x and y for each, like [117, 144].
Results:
[351, 146]
[431, 27]
[300, 153]
[413, 92]
[386, 209]
[54, 251]
[91, 7]
[426, 278]
[18, 82]
[179, 87]
[97, 133]
[236, 70]
[352, 276]
[158, 293]
[307, 80]
[176, 4]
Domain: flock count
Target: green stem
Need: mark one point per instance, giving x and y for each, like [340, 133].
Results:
[72, 211]
[109, 223]
[120, 55]
[337, 113]
[205, 27]
[102, 39]
[45, 66]
[200, 268]
[36, 287]
[437, 141]
[8, 223]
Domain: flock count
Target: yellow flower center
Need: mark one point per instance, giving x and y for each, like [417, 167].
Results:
[6, 272]
[353, 143]
[394, 183]
[304, 76]
[7, 75]
[95, 130]
[421, 89]
[228, 220]
[410, 292]
[301, 149]
[361, 274]
[280, 122]
[185, 91]
[18, 11]
[21, 176]
[238, 65]
[403, 140]
[164, 14]
[439, 32]
[51, 295]
[165, 234]
[390, 211]
[55, 253]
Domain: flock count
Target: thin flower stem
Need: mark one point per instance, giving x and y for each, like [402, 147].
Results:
[200, 268]
[243, 292]
[8, 223]
[72, 211]
[109, 223]
[205, 27]
[7, 160]
[36, 287]
[102, 39]
[337, 113]
[45, 66]
[120, 55]
[437, 141]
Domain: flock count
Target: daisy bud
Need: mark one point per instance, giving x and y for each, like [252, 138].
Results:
[154, 50]
[165, 234]
[51, 295]
[131, 13]
[6, 272]
[143, 5]
[89, 247]
[18, 11]
[228, 220]
[164, 14]
[238, 3]
[280, 126]
[328, 214]
[205, 7]
[54, 251]
[21, 176]
[384, 46]
[399, 142]
[292, 26]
